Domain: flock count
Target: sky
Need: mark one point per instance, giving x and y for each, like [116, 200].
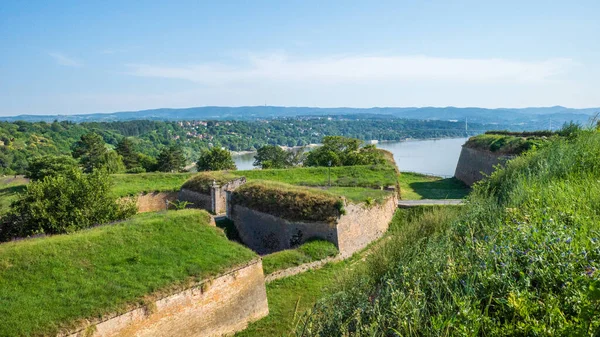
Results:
[71, 57]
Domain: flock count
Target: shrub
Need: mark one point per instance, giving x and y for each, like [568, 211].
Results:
[63, 204]
[44, 166]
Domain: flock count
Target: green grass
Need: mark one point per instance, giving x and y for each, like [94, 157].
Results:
[360, 194]
[414, 186]
[10, 187]
[308, 252]
[131, 184]
[520, 258]
[290, 297]
[50, 283]
[504, 143]
[348, 176]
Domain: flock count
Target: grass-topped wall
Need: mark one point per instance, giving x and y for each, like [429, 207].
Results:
[288, 201]
[371, 176]
[53, 283]
[202, 181]
[504, 143]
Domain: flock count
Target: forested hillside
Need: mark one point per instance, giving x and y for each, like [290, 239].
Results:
[21, 141]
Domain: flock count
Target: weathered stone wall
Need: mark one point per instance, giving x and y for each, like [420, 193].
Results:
[216, 307]
[216, 202]
[220, 200]
[265, 233]
[198, 200]
[473, 164]
[153, 202]
[363, 224]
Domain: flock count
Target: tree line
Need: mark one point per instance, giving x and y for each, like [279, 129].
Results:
[20, 142]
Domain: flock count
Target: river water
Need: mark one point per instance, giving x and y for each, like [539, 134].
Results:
[432, 156]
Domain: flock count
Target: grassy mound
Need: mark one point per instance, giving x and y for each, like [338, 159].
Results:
[132, 184]
[415, 186]
[308, 252]
[521, 258]
[48, 284]
[202, 181]
[9, 189]
[504, 143]
[376, 176]
[289, 201]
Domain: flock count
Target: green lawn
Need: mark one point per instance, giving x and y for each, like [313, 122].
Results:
[414, 186]
[9, 188]
[349, 176]
[291, 297]
[49, 283]
[308, 252]
[130, 184]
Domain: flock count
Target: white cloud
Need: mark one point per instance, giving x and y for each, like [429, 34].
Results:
[362, 69]
[65, 60]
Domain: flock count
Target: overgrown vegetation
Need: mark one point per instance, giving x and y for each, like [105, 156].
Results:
[49, 284]
[343, 151]
[64, 203]
[308, 252]
[520, 258]
[289, 201]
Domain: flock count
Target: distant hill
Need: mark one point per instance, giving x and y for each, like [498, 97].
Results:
[535, 117]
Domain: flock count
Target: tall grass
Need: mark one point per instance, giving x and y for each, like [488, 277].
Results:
[521, 258]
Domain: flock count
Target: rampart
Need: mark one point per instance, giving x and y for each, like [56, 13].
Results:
[153, 202]
[473, 164]
[215, 307]
[362, 224]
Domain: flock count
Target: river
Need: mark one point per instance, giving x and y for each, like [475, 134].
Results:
[431, 156]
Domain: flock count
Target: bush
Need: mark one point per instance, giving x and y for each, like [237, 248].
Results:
[44, 166]
[64, 204]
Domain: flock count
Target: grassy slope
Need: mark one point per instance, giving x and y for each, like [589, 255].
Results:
[130, 184]
[48, 283]
[506, 144]
[308, 252]
[9, 188]
[357, 176]
[522, 258]
[416, 186]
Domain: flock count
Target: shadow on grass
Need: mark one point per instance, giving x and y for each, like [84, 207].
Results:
[449, 188]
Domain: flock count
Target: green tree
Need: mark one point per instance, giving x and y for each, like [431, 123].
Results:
[171, 159]
[342, 151]
[40, 167]
[91, 151]
[63, 204]
[215, 159]
[112, 162]
[126, 148]
[273, 156]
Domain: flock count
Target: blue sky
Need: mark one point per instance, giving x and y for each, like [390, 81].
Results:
[66, 57]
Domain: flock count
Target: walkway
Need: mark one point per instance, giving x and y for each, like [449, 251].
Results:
[426, 202]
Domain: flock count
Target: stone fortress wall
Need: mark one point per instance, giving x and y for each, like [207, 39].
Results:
[473, 165]
[215, 307]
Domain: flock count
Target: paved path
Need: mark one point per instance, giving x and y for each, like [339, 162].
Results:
[422, 202]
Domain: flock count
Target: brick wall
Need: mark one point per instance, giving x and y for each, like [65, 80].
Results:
[215, 307]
